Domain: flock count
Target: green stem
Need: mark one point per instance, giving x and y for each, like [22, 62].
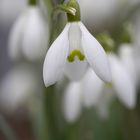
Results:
[49, 110]
[77, 16]
[6, 129]
[49, 6]
[38, 119]
[66, 9]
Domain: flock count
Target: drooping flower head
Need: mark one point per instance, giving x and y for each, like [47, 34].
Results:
[73, 51]
[29, 35]
[91, 91]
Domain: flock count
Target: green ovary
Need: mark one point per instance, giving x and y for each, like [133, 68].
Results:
[75, 53]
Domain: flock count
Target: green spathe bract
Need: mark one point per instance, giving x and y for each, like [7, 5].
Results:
[72, 18]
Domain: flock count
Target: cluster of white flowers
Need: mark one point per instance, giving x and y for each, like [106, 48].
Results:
[91, 91]
[27, 46]
[75, 54]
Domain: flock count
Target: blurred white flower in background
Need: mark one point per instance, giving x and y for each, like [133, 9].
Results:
[29, 36]
[94, 92]
[127, 56]
[19, 86]
[71, 53]
[122, 82]
[9, 10]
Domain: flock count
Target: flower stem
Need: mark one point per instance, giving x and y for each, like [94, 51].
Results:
[65, 8]
[49, 6]
[77, 17]
[38, 119]
[49, 110]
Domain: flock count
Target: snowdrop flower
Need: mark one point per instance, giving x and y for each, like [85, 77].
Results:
[81, 93]
[29, 36]
[18, 85]
[92, 91]
[73, 50]
[122, 82]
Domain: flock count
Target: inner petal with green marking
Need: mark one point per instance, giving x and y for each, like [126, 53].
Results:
[73, 54]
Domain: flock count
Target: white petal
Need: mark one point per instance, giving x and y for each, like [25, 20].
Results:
[35, 35]
[56, 58]
[15, 38]
[75, 36]
[95, 54]
[92, 88]
[72, 102]
[122, 82]
[126, 54]
[75, 70]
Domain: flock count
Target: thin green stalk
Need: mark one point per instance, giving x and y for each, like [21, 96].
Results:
[49, 6]
[38, 117]
[50, 113]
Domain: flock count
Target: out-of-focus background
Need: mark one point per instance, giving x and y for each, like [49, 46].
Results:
[84, 110]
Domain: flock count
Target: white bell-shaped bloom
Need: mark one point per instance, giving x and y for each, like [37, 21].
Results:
[29, 36]
[18, 85]
[72, 102]
[122, 83]
[96, 93]
[71, 53]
